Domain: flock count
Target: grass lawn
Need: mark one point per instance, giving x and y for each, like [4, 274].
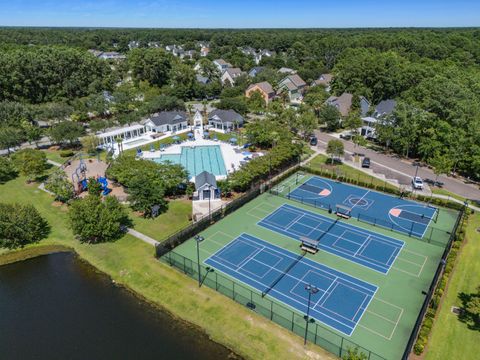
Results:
[440, 191]
[450, 338]
[130, 262]
[167, 223]
[226, 137]
[319, 162]
[54, 155]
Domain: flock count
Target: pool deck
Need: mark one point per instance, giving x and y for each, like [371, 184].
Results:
[231, 157]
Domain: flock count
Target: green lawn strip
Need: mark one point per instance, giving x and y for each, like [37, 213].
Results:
[54, 155]
[176, 218]
[227, 136]
[130, 262]
[319, 162]
[439, 191]
[156, 144]
[451, 338]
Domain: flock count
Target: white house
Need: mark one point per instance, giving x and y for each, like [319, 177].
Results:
[230, 75]
[109, 138]
[206, 187]
[221, 65]
[382, 110]
[225, 120]
[167, 121]
[198, 118]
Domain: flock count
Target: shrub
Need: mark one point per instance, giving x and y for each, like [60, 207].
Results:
[66, 153]
[7, 170]
[21, 225]
[58, 184]
[30, 163]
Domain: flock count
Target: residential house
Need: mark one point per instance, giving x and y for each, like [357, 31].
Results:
[206, 187]
[225, 120]
[295, 87]
[230, 75]
[111, 55]
[255, 71]
[198, 118]
[248, 50]
[221, 65]
[190, 54]
[343, 103]
[202, 79]
[204, 51]
[153, 44]
[324, 80]
[384, 109]
[167, 121]
[265, 89]
[285, 70]
[133, 44]
[261, 54]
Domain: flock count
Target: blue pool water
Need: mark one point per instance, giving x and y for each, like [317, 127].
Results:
[197, 159]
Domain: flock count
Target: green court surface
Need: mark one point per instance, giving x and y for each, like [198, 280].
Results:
[386, 325]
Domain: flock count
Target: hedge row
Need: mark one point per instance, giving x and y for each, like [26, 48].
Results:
[428, 321]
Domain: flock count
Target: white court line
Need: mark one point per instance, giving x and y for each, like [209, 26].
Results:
[273, 267]
[360, 199]
[327, 293]
[364, 245]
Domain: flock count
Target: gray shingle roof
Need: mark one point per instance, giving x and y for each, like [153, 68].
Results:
[205, 178]
[225, 116]
[385, 107]
[169, 117]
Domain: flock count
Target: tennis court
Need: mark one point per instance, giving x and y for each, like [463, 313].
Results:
[401, 215]
[341, 299]
[373, 250]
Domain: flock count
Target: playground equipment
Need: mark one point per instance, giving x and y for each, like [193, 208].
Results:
[83, 185]
[80, 172]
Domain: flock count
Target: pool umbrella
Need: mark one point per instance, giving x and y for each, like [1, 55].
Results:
[176, 137]
[190, 134]
[246, 153]
[233, 140]
[205, 132]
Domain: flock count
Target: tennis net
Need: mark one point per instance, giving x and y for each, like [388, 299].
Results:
[282, 275]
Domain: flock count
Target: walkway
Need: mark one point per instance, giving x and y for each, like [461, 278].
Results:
[143, 237]
[402, 170]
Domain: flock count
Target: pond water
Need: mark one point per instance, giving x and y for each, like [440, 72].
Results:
[57, 307]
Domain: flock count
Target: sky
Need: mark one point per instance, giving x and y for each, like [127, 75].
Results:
[240, 14]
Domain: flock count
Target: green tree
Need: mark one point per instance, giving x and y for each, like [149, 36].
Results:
[330, 116]
[94, 187]
[30, 163]
[152, 65]
[94, 220]
[354, 354]
[66, 132]
[10, 137]
[442, 164]
[335, 149]
[306, 123]
[256, 102]
[144, 193]
[21, 225]
[32, 132]
[90, 144]
[7, 170]
[60, 186]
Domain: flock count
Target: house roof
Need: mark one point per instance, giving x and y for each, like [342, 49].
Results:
[234, 72]
[203, 79]
[342, 102]
[205, 178]
[221, 62]
[297, 80]
[264, 86]
[169, 117]
[285, 70]
[257, 70]
[225, 116]
[385, 107]
[324, 79]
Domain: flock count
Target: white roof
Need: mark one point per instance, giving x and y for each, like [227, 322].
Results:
[369, 119]
[120, 130]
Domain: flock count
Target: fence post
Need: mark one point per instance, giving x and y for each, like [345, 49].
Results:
[271, 310]
[233, 288]
[293, 319]
[341, 348]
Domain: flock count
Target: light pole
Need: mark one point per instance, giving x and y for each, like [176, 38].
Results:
[312, 290]
[198, 240]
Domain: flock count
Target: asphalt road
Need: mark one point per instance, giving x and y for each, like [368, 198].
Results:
[403, 170]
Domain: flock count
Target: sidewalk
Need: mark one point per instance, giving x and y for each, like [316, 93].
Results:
[143, 237]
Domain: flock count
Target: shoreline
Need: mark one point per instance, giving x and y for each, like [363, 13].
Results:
[25, 254]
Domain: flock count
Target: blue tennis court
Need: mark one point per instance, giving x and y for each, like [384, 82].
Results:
[401, 215]
[339, 303]
[376, 251]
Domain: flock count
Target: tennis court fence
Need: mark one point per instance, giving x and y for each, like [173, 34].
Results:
[433, 235]
[281, 315]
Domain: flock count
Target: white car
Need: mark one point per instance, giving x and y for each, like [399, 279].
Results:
[417, 183]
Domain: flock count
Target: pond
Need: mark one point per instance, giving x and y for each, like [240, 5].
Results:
[58, 307]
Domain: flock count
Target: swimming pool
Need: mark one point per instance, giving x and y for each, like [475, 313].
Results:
[197, 159]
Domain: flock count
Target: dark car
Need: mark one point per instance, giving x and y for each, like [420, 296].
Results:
[313, 141]
[366, 162]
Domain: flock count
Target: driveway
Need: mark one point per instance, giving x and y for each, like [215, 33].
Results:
[403, 170]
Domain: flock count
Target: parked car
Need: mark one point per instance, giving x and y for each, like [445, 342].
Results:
[366, 162]
[313, 141]
[417, 183]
